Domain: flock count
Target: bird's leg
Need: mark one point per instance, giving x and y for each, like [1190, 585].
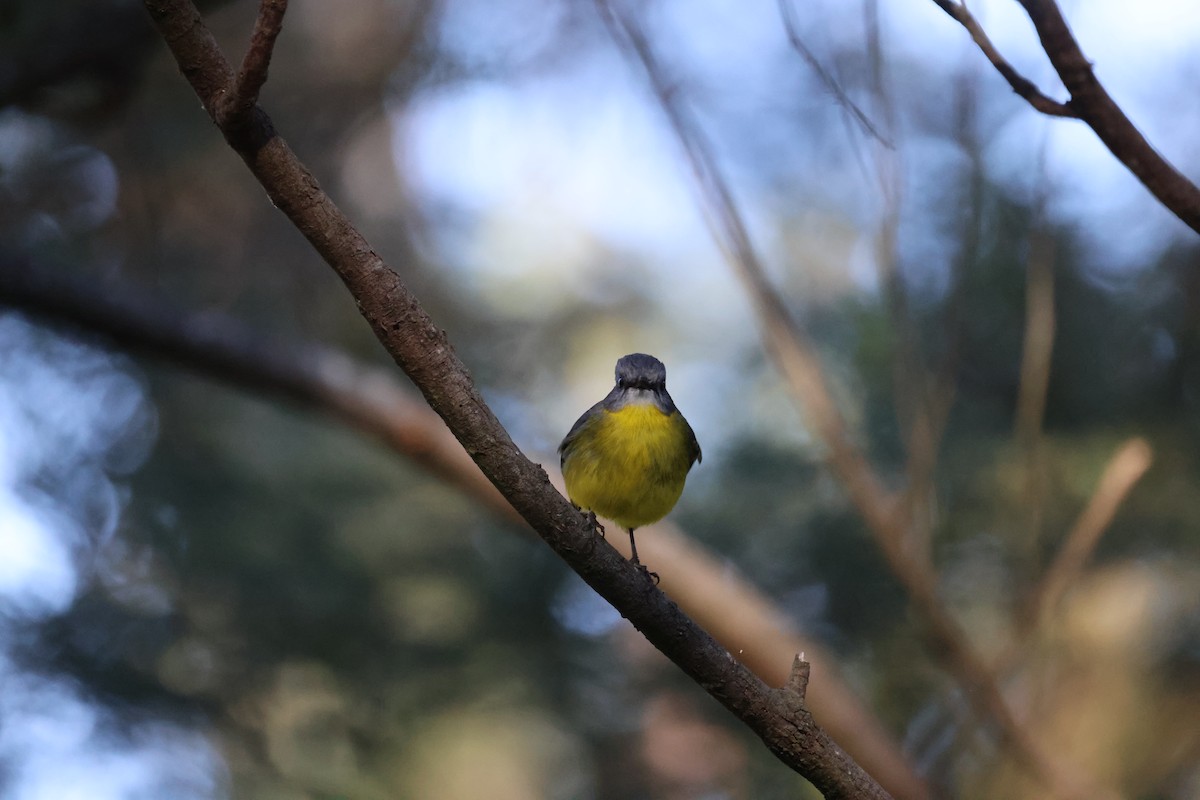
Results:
[637, 563]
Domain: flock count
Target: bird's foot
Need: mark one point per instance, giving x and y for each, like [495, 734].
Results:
[646, 571]
[591, 515]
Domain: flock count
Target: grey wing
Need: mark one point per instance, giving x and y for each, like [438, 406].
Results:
[694, 454]
[569, 439]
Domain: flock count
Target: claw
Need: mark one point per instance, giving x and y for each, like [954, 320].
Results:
[591, 518]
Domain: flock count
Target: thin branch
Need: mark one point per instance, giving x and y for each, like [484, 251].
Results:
[794, 354]
[374, 402]
[1092, 103]
[1037, 350]
[923, 396]
[425, 354]
[792, 27]
[943, 387]
[1036, 355]
[1121, 474]
[365, 398]
[1089, 102]
[882, 97]
[796, 358]
[916, 414]
[235, 109]
[1024, 87]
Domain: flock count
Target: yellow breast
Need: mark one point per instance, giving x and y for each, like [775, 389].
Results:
[629, 465]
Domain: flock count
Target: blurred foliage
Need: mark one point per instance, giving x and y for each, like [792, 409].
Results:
[230, 598]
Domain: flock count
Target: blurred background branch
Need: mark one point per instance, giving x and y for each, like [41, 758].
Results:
[1037, 348]
[787, 13]
[797, 361]
[371, 401]
[1123, 471]
[366, 398]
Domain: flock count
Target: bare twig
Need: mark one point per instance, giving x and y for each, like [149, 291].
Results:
[238, 104]
[797, 681]
[1036, 352]
[424, 352]
[916, 415]
[791, 26]
[796, 358]
[943, 384]
[1089, 102]
[794, 354]
[1092, 103]
[1122, 472]
[1024, 87]
[923, 397]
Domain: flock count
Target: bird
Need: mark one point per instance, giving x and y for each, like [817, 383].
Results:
[628, 456]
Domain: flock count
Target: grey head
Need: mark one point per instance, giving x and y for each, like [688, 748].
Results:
[640, 371]
[640, 379]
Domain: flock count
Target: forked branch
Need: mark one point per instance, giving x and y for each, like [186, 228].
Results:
[1089, 101]
[1024, 87]
[235, 110]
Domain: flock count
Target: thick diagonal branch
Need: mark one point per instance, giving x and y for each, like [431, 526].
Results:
[425, 354]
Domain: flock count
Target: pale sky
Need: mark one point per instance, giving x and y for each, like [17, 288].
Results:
[554, 165]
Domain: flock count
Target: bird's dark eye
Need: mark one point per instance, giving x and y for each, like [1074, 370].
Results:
[620, 383]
